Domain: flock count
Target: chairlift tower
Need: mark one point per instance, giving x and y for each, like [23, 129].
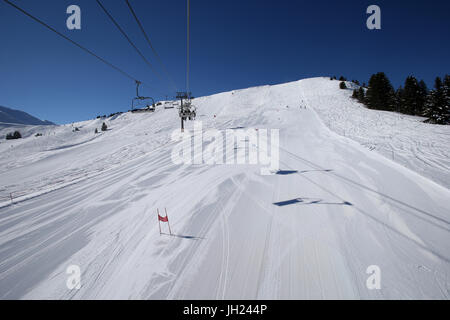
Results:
[186, 110]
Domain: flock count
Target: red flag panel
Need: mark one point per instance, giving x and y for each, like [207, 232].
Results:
[163, 219]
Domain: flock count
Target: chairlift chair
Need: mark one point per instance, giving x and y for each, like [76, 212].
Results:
[145, 103]
[187, 111]
[142, 103]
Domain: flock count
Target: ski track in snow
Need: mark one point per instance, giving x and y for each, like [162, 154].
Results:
[405, 139]
[358, 188]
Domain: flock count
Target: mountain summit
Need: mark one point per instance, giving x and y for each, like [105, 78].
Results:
[8, 115]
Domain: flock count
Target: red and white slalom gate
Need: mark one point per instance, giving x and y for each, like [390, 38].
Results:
[163, 219]
[15, 194]
[10, 198]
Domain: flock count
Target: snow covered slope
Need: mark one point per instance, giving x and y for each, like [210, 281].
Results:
[310, 231]
[422, 147]
[8, 115]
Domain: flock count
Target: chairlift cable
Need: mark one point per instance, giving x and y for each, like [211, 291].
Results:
[71, 41]
[150, 44]
[188, 45]
[126, 37]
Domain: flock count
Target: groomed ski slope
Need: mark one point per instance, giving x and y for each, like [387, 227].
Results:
[405, 139]
[309, 232]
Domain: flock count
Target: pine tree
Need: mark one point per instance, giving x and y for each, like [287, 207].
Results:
[400, 100]
[409, 95]
[361, 95]
[13, 136]
[414, 96]
[380, 94]
[423, 94]
[446, 106]
[429, 106]
[342, 85]
[104, 127]
[436, 104]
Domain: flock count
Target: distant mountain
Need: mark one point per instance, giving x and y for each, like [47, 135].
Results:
[8, 115]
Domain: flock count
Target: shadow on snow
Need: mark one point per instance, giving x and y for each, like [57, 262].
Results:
[305, 201]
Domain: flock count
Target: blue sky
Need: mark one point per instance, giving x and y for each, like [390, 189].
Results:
[234, 44]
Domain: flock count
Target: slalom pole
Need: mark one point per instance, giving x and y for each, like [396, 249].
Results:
[168, 223]
[159, 222]
[10, 195]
